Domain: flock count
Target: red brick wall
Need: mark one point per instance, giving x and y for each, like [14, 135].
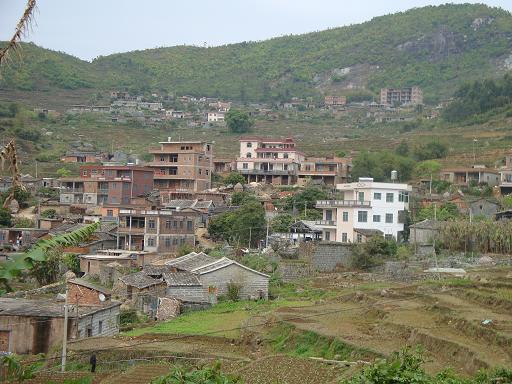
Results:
[81, 295]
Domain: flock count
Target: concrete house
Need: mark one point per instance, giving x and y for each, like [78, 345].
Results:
[366, 205]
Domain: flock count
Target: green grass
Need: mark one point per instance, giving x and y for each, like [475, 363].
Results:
[287, 339]
[222, 319]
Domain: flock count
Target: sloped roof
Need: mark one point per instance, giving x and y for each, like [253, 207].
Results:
[368, 232]
[428, 224]
[88, 284]
[140, 280]
[181, 203]
[222, 263]
[307, 223]
[191, 261]
[156, 270]
[181, 279]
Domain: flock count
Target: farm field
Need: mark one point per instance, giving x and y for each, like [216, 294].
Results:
[465, 324]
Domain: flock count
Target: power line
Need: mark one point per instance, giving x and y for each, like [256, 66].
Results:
[181, 337]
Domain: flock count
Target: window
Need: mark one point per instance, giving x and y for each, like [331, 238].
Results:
[175, 224]
[151, 241]
[345, 216]
[376, 218]
[359, 238]
[175, 241]
[84, 172]
[377, 196]
[245, 166]
[94, 172]
[328, 214]
[189, 226]
[167, 242]
[389, 217]
[200, 171]
[249, 145]
[403, 197]
[151, 224]
[285, 156]
[113, 185]
[181, 224]
[344, 237]
[248, 155]
[360, 196]
[100, 327]
[110, 212]
[362, 216]
[285, 167]
[390, 197]
[327, 236]
[388, 237]
[162, 158]
[167, 224]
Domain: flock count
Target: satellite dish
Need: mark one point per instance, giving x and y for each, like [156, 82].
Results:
[102, 297]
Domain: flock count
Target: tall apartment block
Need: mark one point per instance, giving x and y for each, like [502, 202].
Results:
[269, 160]
[182, 166]
[100, 184]
[401, 96]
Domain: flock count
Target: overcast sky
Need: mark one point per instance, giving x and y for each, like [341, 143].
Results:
[90, 28]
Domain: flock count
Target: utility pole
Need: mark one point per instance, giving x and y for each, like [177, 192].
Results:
[250, 236]
[65, 336]
[434, 229]
[266, 239]
[305, 209]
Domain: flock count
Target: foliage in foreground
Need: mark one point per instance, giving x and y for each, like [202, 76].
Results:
[207, 375]
[406, 367]
[38, 254]
[14, 369]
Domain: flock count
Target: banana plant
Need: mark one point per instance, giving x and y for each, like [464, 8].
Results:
[13, 267]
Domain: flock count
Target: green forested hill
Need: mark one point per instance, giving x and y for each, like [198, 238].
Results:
[437, 48]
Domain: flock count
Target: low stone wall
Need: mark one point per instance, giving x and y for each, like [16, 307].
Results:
[331, 256]
[289, 271]
[57, 287]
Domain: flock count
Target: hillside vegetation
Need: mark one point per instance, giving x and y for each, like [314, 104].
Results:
[437, 48]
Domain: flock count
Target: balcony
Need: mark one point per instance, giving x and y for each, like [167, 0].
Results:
[72, 190]
[326, 223]
[342, 203]
[277, 172]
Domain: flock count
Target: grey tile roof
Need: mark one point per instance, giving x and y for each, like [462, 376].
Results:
[368, 232]
[181, 204]
[140, 280]
[174, 279]
[44, 307]
[222, 263]
[156, 270]
[191, 261]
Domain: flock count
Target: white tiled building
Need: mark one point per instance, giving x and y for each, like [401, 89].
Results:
[367, 207]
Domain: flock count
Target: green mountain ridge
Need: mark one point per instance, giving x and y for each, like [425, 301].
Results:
[437, 48]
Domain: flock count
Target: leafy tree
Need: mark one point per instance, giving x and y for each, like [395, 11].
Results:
[234, 178]
[240, 198]
[432, 150]
[373, 252]
[427, 168]
[240, 225]
[447, 211]
[282, 222]
[63, 172]
[402, 149]
[49, 213]
[305, 198]
[238, 121]
[380, 164]
[341, 153]
[5, 217]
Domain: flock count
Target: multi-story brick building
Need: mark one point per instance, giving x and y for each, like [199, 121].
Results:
[334, 101]
[401, 96]
[155, 230]
[182, 165]
[327, 170]
[367, 207]
[99, 184]
[269, 160]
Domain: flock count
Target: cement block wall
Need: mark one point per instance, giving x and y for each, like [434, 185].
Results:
[330, 256]
[289, 271]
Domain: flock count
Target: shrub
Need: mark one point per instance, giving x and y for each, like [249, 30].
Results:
[234, 178]
[49, 214]
[234, 289]
[196, 376]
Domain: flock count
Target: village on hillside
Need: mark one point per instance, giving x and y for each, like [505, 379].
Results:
[347, 223]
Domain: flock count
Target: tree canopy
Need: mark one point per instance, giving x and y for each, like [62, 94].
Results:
[238, 121]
